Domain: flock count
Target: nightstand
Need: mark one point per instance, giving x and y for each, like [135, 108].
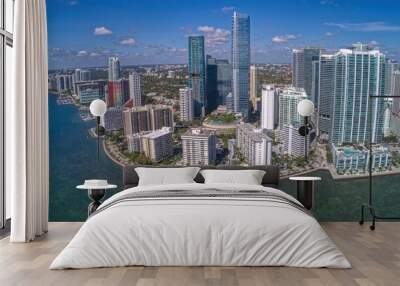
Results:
[96, 190]
[305, 190]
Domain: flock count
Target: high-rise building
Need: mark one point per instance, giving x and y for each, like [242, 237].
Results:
[298, 68]
[186, 104]
[133, 142]
[219, 81]
[224, 80]
[269, 107]
[254, 145]
[115, 93]
[64, 82]
[197, 74]
[147, 118]
[135, 90]
[290, 120]
[253, 87]
[87, 92]
[157, 145]
[391, 68]
[395, 90]
[359, 73]
[112, 119]
[322, 93]
[81, 75]
[302, 67]
[289, 98]
[212, 84]
[240, 62]
[114, 69]
[199, 147]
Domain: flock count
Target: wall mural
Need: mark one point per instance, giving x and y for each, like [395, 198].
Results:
[207, 110]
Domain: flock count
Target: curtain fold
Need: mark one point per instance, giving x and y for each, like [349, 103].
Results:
[27, 124]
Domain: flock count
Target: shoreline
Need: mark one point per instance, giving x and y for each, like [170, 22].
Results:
[332, 172]
[110, 156]
[334, 176]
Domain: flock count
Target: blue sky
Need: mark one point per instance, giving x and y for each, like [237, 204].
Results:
[86, 32]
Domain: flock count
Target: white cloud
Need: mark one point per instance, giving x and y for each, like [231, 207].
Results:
[101, 31]
[82, 53]
[329, 34]
[228, 9]
[214, 36]
[128, 41]
[366, 27]
[205, 29]
[281, 39]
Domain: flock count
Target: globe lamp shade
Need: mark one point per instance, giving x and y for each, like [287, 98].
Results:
[305, 107]
[98, 107]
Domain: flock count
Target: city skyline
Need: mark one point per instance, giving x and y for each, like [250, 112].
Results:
[152, 33]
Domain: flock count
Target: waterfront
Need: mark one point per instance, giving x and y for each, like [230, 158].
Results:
[73, 159]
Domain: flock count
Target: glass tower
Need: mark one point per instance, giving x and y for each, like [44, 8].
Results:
[240, 62]
[114, 69]
[359, 73]
[303, 66]
[197, 74]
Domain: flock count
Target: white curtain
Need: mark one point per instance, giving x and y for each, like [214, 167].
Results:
[27, 173]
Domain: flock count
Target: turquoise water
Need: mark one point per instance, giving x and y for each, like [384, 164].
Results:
[73, 158]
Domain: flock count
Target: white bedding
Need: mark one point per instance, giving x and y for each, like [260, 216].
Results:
[200, 231]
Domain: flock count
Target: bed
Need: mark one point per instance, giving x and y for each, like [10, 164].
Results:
[201, 224]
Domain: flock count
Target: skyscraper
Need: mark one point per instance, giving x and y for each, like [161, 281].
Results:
[212, 84]
[114, 69]
[395, 90]
[219, 82]
[197, 73]
[115, 95]
[322, 93]
[269, 107]
[81, 75]
[302, 67]
[186, 104]
[290, 120]
[64, 82]
[359, 73]
[240, 62]
[253, 86]
[224, 80]
[135, 90]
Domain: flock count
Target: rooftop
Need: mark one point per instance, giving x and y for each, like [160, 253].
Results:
[199, 132]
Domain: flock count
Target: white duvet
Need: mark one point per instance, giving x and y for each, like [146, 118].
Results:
[202, 232]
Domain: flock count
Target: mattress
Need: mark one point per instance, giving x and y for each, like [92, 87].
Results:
[201, 225]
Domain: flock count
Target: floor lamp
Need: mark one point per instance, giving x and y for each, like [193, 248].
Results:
[370, 205]
[305, 108]
[98, 108]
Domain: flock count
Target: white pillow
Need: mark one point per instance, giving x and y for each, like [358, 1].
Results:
[166, 176]
[248, 177]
